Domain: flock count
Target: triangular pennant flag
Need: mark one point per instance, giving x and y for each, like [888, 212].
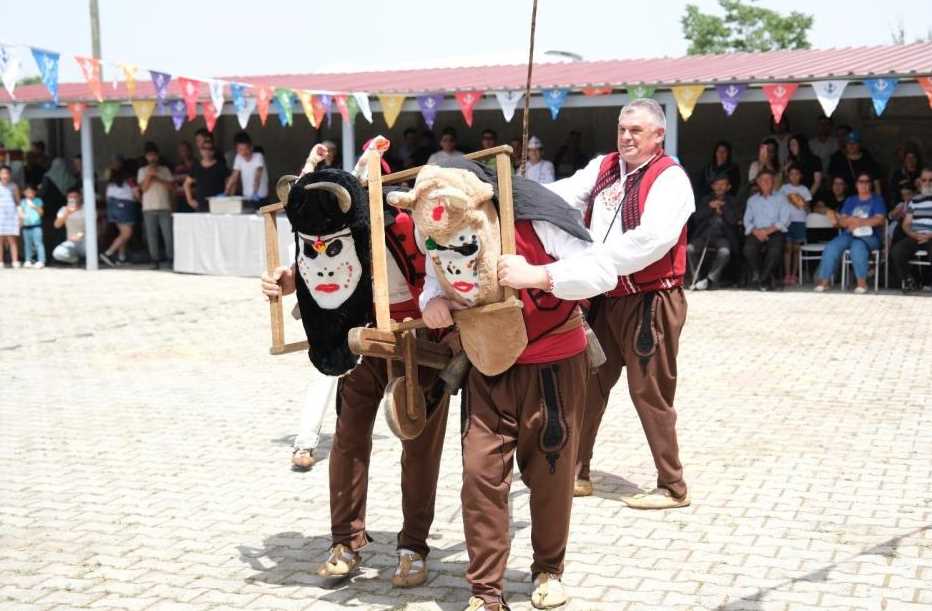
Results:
[307, 103]
[352, 109]
[284, 103]
[730, 96]
[108, 112]
[554, 98]
[686, 97]
[362, 101]
[319, 112]
[391, 107]
[429, 103]
[90, 68]
[926, 83]
[16, 112]
[596, 91]
[508, 100]
[143, 110]
[342, 107]
[129, 77]
[243, 114]
[779, 94]
[640, 91]
[237, 93]
[263, 99]
[160, 81]
[190, 91]
[77, 111]
[178, 111]
[829, 93]
[10, 64]
[210, 116]
[216, 95]
[880, 89]
[466, 101]
[48, 70]
[326, 101]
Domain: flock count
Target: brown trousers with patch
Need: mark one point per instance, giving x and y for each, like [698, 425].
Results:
[534, 413]
[640, 333]
[358, 397]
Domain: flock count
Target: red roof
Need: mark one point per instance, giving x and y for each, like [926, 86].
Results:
[904, 61]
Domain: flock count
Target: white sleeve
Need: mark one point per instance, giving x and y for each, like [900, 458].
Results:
[575, 274]
[238, 164]
[546, 173]
[575, 189]
[260, 160]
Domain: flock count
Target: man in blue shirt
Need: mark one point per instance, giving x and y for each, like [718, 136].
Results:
[766, 219]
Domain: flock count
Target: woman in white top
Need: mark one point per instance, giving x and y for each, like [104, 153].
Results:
[537, 169]
[122, 209]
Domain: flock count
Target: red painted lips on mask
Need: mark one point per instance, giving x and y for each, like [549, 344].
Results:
[463, 287]
[327, 288]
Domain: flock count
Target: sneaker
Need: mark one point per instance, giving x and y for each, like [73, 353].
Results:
[342, 562]
[16, 264]
[908, 285]
[155, 266]
[302, 459]
[860, 290]
[106, 260]
[411, 571]
[27, 265]
[582, 487]
[820, 288]
[764, 287]
[39, 265]
[548, 592]
[702, 284]
[658, 498]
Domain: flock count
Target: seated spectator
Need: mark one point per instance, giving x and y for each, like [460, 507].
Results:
[715, 225]
[71, 217]
[721, 163]
[31, 210]
[810, 166]
[766, 158]
[331, 161]
[515, 153]
[447, 147]
[570, 157]
[861, 218]
[766, 219]
[906, 192]
[799, 198]
[407, 149]
[183, 169]
[823, 145]
[122, 210]
[158, 188]
[853, 160]
[207, 179]
[908, 171]
[248, 169]
[488, 140]
[537, 169]
[917, 227]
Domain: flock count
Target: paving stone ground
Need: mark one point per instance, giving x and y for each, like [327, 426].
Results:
[144, 461]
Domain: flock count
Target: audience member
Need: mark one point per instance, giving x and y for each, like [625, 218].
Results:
[537, 169]
[780, 133]
[799, 198]
[861, 218]
[917, 227]
[158, 192]
[852, 160]
[570, 156]
[714, 226]
[37, 164]
[30, 216]
[447, 147]
[515, 153]
[721, 163]
[9, 216]
[249, 169]
[407, 149]
[765, 159]
[766, 219]
[183, 169]
[71, 217]
[207, 179]
[122, 196]
[824, 144]
[908, 171]
[808, 164]
[330, 160]
[200, 137]
[489, 139]
[895, 217]
[55, 184]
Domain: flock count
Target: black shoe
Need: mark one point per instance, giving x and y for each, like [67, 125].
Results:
[155, 265]
[105, 258]
[764, 287]
[908, 285]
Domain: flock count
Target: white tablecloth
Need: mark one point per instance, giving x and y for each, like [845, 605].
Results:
[226, 244]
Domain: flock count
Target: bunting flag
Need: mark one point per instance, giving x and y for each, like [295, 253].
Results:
[829, 94]
[730, 96]
[326, 101]
[178, 111]
[429, 103]
[284, 104]
[90, 68]
[190, 91]
[160, 81]
[880, 89]
[391, 107]
[237, 91]
[926, 83]
[10, 64]
[467, 101]
[640, 91]
[48, 70]
[590, 91]
[686, 97]
[318, 111]
[16, 112]
[210, 116]
[555, 99]
[216, 95]
[508, 100]
[243, 114]
[108, 112]
[362, 102]
[352, 108]
[77, 111]
[343, 108]
[129, 77]
[143, 110]
[779, 94]
[307, 103]
[263, 98]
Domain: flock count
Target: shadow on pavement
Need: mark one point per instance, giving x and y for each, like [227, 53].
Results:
[612, 487]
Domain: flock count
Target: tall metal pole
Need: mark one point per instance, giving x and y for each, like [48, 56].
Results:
[95, 34]
[88, 193]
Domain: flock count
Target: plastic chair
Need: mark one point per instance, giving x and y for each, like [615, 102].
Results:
[921, 259]
[812, 252]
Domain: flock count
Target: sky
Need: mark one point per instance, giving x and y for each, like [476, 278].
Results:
[216, 38]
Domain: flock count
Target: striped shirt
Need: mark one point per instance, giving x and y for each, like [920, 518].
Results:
[920, 211]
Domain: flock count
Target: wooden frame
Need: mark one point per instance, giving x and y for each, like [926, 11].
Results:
[272, 260]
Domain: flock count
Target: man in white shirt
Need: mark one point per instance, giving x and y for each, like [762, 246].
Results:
[636, 203]
[537, 169]
[249, 166]
[447, 148]
[158, 197]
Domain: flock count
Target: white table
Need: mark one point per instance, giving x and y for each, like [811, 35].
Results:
[226, 244]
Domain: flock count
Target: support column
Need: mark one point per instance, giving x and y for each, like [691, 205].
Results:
[348, 145]
[671, 139]
[88, 193]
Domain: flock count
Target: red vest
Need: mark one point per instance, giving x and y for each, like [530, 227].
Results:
[664, 273]
[542, 311]
[402, 246]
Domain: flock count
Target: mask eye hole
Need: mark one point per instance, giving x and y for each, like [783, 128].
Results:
[309, 251]
[334, 248]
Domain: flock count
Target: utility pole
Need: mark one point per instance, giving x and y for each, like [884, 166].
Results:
[95, 34]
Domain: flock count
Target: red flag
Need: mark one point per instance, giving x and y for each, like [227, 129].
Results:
[77, 111]
[779, 95]
[466, 101]
[596, 90]
[190, 89]
[319, 111]
[926, 83]
[210, 116]
[342, 107]
[90, 67]
[263, 99]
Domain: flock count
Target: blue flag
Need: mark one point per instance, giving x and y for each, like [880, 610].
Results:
[880, 89]
[730, 95]
[555, 99]
[160, 81]
[429, 104]
[326, 101]
[237, 91]
[48, 70]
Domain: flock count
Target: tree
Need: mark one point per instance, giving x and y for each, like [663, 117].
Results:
[744, 27]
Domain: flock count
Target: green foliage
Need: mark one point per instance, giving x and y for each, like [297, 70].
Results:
[14, 137]
[745, 27]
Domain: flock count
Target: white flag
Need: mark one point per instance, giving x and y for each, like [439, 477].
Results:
[508, 100]
[362, 101]
[10, 63]
[829, 94]
[242, 115]
[16, 112]
[216, 94]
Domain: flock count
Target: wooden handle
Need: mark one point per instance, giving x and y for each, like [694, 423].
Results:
[271, 262]
[409, 354]
[506, 211]
[460, 315]
[403, 175]
[383, 319]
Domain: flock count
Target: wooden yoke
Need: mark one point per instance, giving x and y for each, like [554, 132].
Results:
[506, 211]
[272, 261]
[383, 319]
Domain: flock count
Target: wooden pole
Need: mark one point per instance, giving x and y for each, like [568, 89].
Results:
[383, 319]
[506, 212]
[527, 92]
[275, 303]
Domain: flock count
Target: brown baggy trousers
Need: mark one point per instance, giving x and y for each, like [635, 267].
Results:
[358, 397]
[534, 411]
[641, 333]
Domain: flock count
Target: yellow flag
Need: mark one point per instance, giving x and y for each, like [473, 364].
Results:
[143, 110]
[686, 97]
[307, 103]
[129, 75]
[391, 107]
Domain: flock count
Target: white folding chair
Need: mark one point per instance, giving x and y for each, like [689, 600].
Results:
[812, 252]
[921, 259]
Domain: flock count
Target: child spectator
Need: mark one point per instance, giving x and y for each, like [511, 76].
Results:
[71, 217]
[799, 197]
[9, 219]
[122, 210]
[30, 216]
